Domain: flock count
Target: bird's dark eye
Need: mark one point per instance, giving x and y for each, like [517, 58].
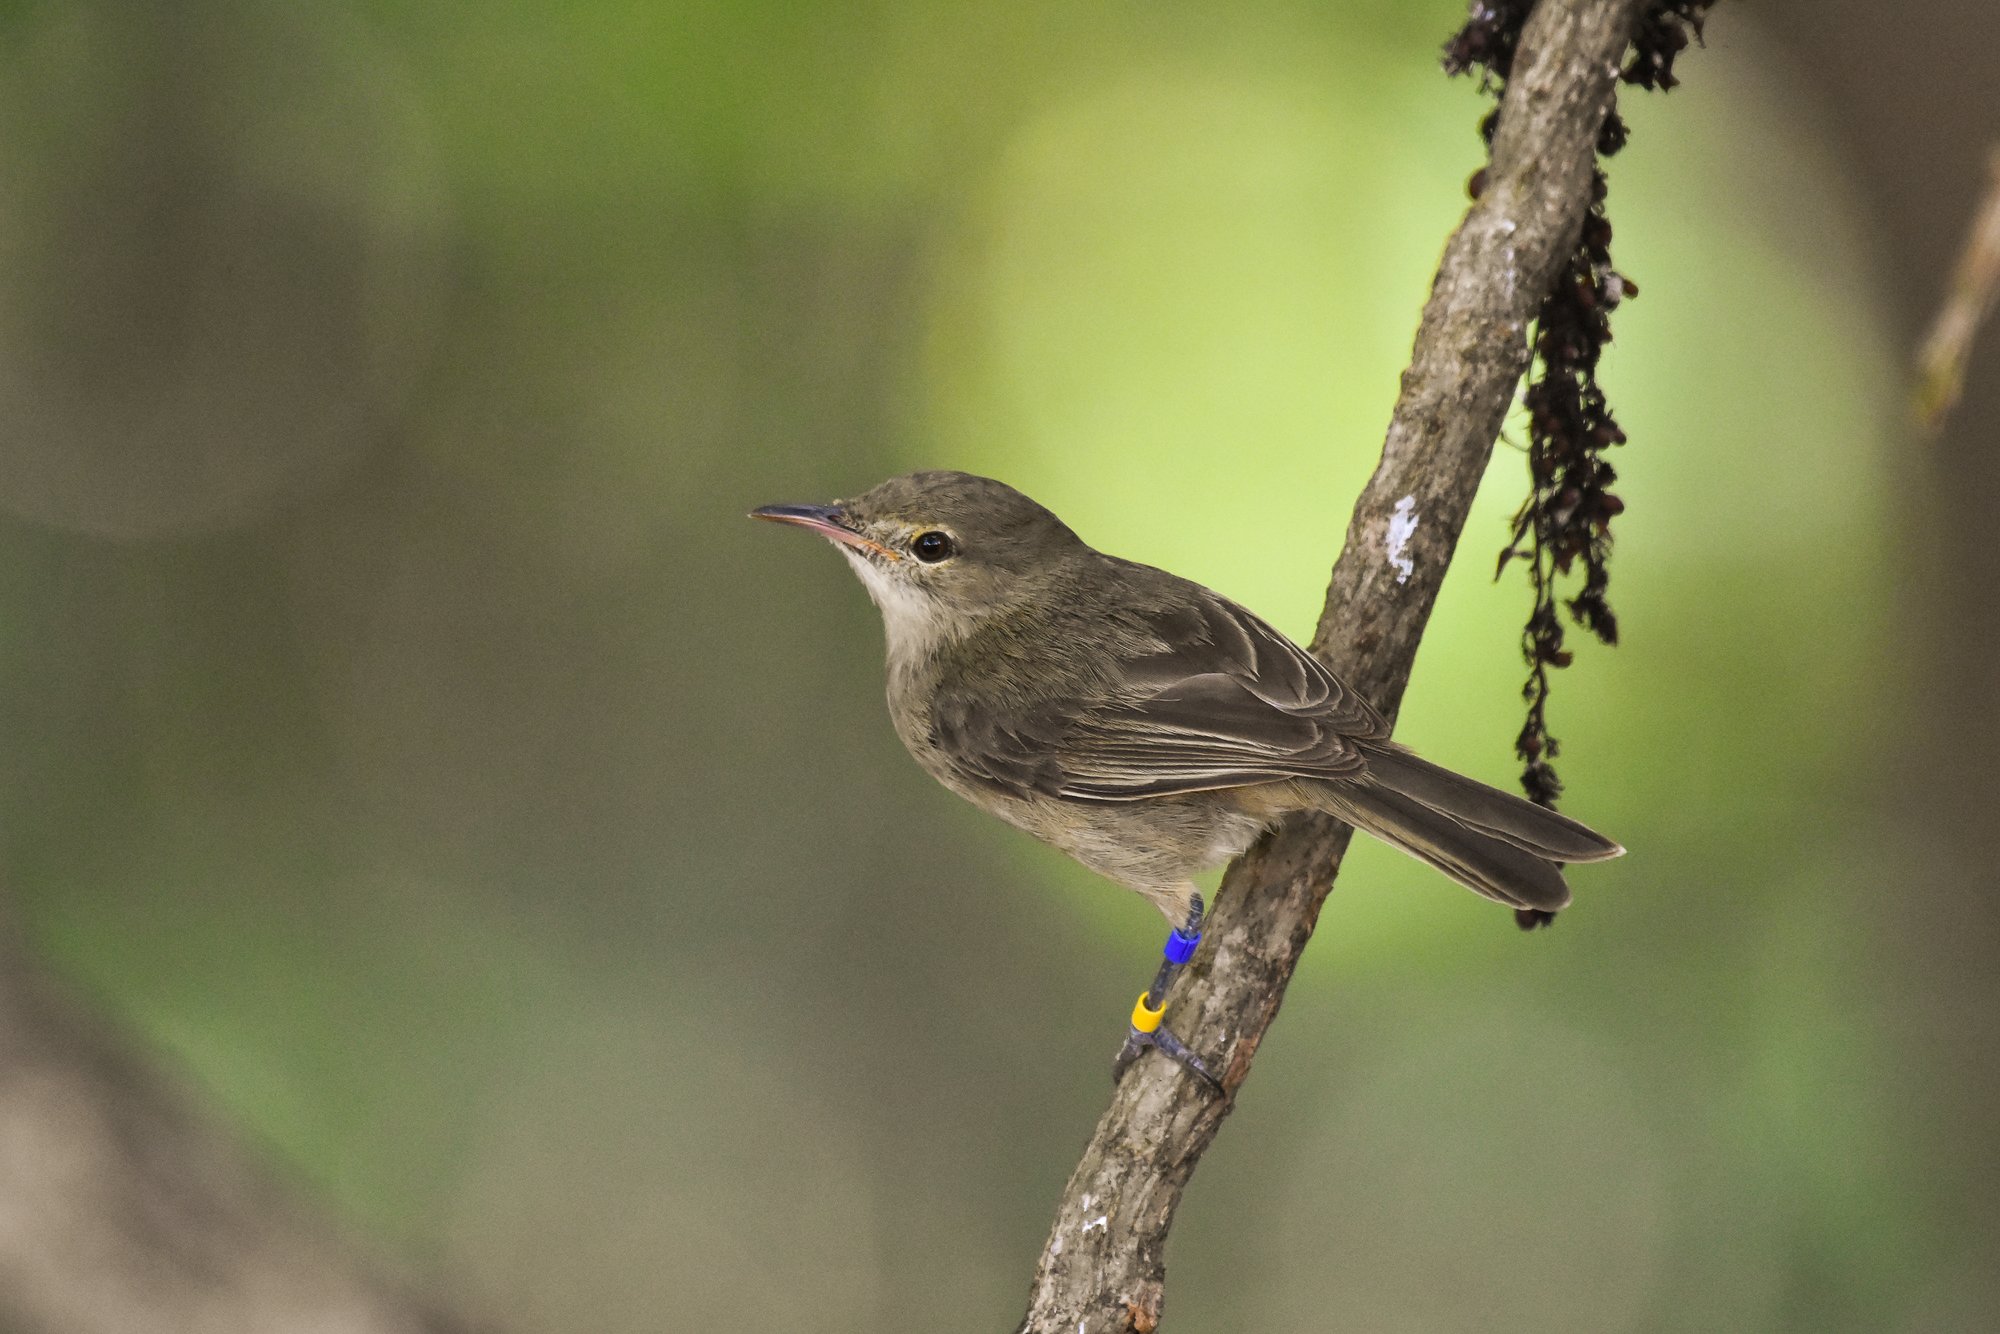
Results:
[932, 547]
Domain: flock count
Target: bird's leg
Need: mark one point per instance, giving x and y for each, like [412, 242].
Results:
[1146, 1030]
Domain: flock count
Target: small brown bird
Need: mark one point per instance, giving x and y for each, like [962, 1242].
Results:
[1146, 726]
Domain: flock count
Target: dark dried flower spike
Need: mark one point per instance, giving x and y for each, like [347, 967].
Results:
[1488, 39]
[1564, 525]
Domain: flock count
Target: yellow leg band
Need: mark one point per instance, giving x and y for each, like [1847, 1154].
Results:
[1145, 1019]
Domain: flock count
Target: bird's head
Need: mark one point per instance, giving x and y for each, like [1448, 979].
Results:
[940, 552]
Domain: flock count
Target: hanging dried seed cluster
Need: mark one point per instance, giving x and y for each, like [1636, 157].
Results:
[1564, 525]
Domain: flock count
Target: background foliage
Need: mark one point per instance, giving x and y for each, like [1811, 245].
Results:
[407, 734]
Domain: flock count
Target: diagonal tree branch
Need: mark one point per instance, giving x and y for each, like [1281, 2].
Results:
[1103, 1270]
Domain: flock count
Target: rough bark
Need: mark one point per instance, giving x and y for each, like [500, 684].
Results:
[1103, 1268]
[122, 1210]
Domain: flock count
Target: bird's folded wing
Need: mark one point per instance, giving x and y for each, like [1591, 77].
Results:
[1219, 699]
[1203, 732]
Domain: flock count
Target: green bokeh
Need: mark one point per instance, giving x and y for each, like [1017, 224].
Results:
[512, 839]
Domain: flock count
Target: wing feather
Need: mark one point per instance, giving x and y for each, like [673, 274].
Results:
[1213, 698]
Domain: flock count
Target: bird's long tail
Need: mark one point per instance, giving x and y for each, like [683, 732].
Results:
[1492, 842]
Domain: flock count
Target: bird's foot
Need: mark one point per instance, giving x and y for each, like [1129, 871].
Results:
[1146, 1030]
[1138, 1039]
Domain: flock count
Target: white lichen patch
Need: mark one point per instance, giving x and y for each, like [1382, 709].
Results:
[1402, 527]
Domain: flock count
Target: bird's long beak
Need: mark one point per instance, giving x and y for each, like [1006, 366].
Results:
[829, 521]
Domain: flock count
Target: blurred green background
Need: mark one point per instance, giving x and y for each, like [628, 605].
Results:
[408, 736]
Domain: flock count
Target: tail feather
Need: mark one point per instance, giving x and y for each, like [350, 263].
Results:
[1485, 863]
[1532, 828]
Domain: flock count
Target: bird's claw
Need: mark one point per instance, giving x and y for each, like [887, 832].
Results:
[1171, 1047]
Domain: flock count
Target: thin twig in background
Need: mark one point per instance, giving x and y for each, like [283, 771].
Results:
[1974, 287]
[1103, 1268]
